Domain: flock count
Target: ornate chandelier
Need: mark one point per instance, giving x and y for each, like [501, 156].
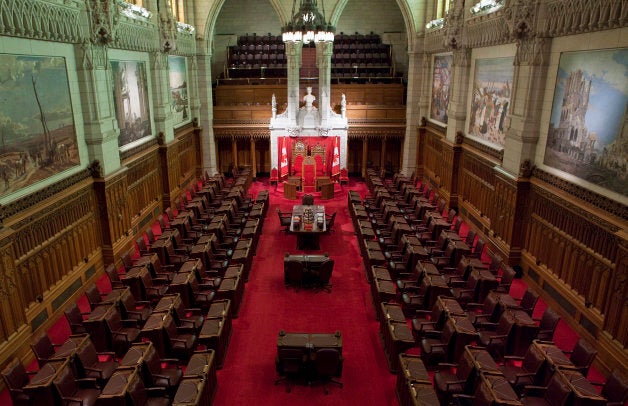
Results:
[308, 24]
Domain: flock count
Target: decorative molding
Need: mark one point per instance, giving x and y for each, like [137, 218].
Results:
[136, 35]
[34, 198]
[124, 155]
[494, 152]
[568, 17]
[242, 133]
[39, 19]
[375, 133]
[588, 196]
[265, 122]
[487, 30]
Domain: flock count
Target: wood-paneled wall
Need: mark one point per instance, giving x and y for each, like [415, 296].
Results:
[571, 245]
[57, 240]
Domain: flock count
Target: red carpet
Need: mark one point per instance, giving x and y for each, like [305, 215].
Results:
[249, 371]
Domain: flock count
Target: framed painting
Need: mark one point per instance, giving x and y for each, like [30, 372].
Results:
[131, 100]
[588, 131]
[37, 128]
[492, 87]
[441, 81]
[178, 73]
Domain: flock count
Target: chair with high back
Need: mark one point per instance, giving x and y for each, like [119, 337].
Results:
[470, 238]
[150, 235]
[505, 281]
[477, 250]
[451, 379]
[289, 364]
[114, 277]
[344, 176]
[294, 273]
[582, 355]
[547, 324]
[127, 259]
[94, 297]
[324, 275]
[329, 222]
[132, 309]
[75, 391]
[178, 343]
[328, 364]
[92, 367]
[615, 389]
[15, 378]
[557, 393]
[494, 336]
[74, 316]
[274, 177]
[284, 219]
[43, 348]
[140, 242]
[150, 291]
[307, 200]
[528, 301]
[436, 349]
[122, 332]
[523, 371]
[155, 375]
[139, 395]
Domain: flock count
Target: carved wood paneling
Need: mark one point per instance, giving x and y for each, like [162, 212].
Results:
[502, 211]
[477, 182]
[144, 182]
[11, 299]
[616, 318]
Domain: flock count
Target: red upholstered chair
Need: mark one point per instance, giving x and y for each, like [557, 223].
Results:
[309, 174]
[344, 176]
[274, 176]
[15, 378]
[297, 165]
[320, 167]
[75, 391]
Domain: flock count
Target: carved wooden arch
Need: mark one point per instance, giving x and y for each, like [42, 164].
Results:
[319, 150]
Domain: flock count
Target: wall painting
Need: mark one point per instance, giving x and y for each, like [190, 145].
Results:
[492, 86]
[588, 132]
[441, 81]
[179, 89]
[131, 99]
[37, 130]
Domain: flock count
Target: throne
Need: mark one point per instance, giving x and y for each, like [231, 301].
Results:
[308, 174]
[299, 152]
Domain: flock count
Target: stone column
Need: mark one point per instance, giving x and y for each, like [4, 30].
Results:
[205, 113]
[234, 151]
[457, 108]
[526, 102]
[414, 111]
[99, 117]
[365, 153]
[324, 51]
[162, 106]
[253, 159]
[293, 59]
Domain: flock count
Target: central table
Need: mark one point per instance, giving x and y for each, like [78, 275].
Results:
[308, 230]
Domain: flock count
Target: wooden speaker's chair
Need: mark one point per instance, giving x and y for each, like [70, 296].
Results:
[309, 174]
[318, 152]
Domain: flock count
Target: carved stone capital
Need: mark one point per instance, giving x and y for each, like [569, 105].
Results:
[95, 169]
[520, 16]
[531, 51]
[526, 168]
[103, 15]
[459, 137]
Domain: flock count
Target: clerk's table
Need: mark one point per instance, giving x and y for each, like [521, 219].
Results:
[308, 223]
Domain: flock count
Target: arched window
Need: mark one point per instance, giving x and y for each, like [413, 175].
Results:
[139, 3]
[178, 10]
[442, 7]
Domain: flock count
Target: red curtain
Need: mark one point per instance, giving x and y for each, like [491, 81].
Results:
[327, 142]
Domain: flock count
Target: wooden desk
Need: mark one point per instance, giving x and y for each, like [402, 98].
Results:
[134, 357]
[289, 191]
[555, 358]
[40, 388]
[382, 291]
[413, 385]
[193, 391]
[153, 331]
[320, 181]
[397, 339]
[133, 279]
[524, 331]
[327, 191]
[495, 390]
[232, 289]
[96, 326]
[584, 393]
[498, 303]
[182, 284]
[310, 342]
[465, 335]
[161, 247]
[115, 391]
[215, 334]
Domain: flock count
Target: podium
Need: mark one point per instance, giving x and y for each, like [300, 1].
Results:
[289, 190]
[327, 191]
